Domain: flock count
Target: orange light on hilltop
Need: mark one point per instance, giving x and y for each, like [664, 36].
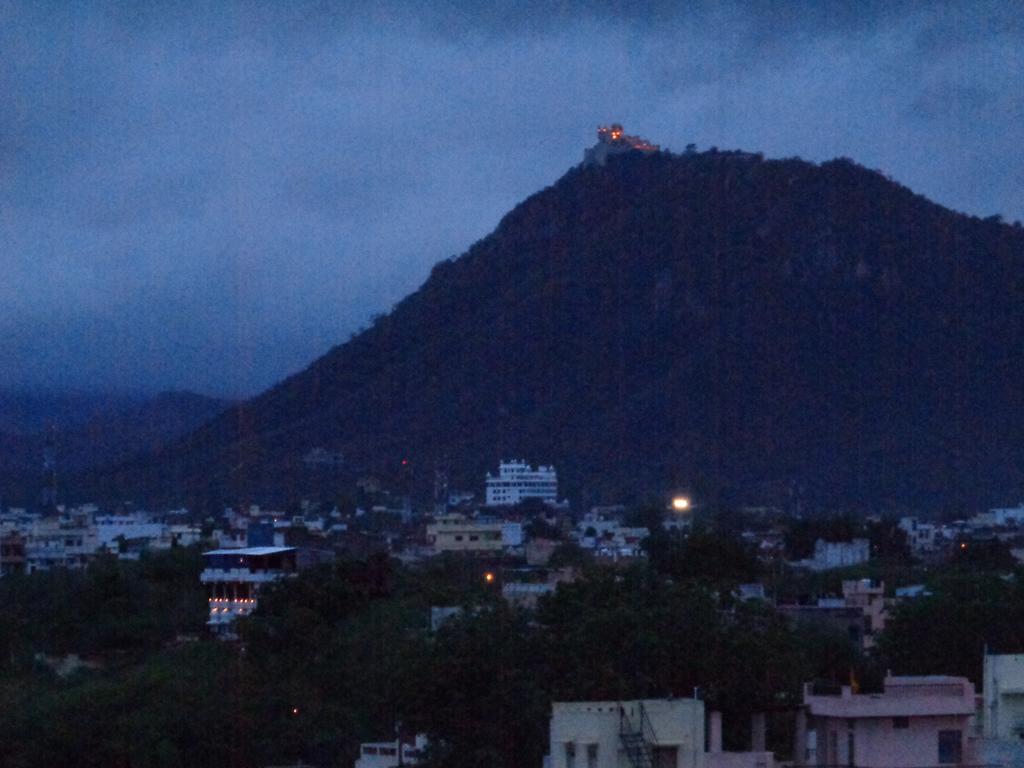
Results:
[680, 504]
[489, 577]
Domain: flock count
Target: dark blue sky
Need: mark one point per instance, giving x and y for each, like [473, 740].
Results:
[210, 195]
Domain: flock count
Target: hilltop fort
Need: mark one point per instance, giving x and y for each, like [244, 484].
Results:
[611, 140]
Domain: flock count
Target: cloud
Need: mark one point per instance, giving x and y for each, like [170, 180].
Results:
[209, 196]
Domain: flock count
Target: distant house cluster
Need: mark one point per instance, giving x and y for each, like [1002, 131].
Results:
[931, 540]
[859, 614]
[526, 542]
[71, 537]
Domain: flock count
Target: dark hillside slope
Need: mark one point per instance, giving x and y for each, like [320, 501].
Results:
[85, 436]
[745, 328]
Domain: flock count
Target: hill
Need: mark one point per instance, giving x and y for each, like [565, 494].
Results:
[89, 432]
[27, 412]
[752, 330]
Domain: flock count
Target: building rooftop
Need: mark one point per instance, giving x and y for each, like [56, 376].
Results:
[924, 696]
[251, 551]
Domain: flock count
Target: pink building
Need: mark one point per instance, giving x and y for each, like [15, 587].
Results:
[916, 722]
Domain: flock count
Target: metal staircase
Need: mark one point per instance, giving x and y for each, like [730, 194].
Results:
[637, 738]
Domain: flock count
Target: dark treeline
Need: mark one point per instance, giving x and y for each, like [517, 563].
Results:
[345, 654]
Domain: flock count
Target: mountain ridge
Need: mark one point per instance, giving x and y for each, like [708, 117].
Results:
[750, 329]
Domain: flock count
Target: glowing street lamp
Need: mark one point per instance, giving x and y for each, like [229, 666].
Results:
[681, 504]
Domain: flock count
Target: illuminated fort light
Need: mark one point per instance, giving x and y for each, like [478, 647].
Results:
[613, 140]
[614, 134]
[681, 504]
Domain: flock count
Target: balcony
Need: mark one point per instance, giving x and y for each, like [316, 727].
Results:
[224, 610]
[258, 576]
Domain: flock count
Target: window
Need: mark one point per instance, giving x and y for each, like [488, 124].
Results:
[666, 757]
[950, 747]
[901, 722]
[570, 755]
[591, 755]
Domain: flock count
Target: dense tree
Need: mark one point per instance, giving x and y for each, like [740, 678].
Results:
[888, 541]
[480, 694]
[947, 632]
[802, 534]
[569, 555]
[344, 653]
[112, 606]
[703, 556]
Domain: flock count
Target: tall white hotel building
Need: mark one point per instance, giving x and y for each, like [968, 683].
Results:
[517, 480]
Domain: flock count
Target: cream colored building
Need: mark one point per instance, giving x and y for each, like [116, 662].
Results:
[1003, 689]
[661, 733]
[456, 533]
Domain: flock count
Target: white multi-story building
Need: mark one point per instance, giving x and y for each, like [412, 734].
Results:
[517, 480]
[837, 554]
[389, 754]
[1003, 687]
[64, 541]
[922, 537]
[1008, 516]
[1002, 714]
[234, 577]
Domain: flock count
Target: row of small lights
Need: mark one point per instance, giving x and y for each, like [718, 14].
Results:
[231, 600]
